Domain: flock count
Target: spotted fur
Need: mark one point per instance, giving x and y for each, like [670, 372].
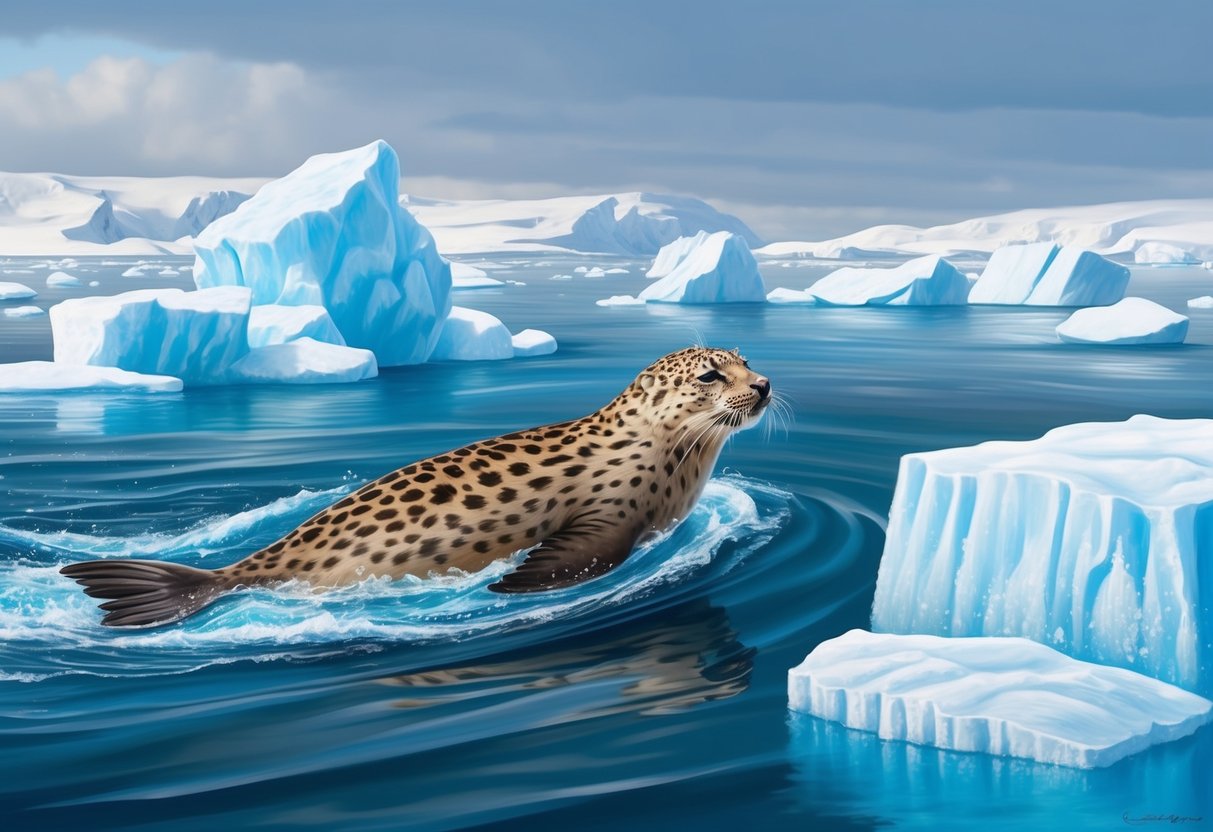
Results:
[583, 493]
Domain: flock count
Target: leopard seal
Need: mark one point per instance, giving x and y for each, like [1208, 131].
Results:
[579, 495]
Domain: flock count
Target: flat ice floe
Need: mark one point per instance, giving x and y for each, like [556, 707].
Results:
[16, 291]
[531, 342]
[1094, 539]
[62, 280]
[926, 281]
[1202, 302]
[305, 361]
[24, 312]
[1130, 321]
[1001, 696]
[49, 377]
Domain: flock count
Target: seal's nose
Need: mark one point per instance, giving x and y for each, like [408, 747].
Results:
[763, 387]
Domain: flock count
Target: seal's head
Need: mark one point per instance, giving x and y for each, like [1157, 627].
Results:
[702, 385]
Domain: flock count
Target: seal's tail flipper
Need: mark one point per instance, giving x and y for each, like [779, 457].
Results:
[142, 593]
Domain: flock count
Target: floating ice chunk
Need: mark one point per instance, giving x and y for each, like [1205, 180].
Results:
[533, 342]
[581, 270]
[597, 271]
[94, 283]
[620, 300]
[1002, 696]
[925, 281]
[306, 361]
[1093, 539]
[274, 324]
[16, 291]
[1129, 321]
[47, 376]
[617, 271]
[63, 280]
[1202, 302]
[1012, 273]
[133, 271]
[718, 269]
[789, 296]
[332, 233]
[471, 335]
[561, 277]
[168, 272]
[1163, 253]
[195, 336]
[671, 255]
[24, 312]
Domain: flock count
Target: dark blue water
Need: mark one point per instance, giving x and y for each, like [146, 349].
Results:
[654, 698]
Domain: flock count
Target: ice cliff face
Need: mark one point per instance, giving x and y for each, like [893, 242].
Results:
[1096, 539]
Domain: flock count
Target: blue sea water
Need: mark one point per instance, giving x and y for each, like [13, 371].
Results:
[653, 698]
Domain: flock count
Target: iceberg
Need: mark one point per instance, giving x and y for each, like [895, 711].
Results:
[305, 361]
[1129, 321]
[1156, 253]
[332, 233]
[1094, 539]
[671, 255]
[790, 296]
[925, 281]
[62, 279]
[1202, 302]
[274, 324]
[50, 377]
[1012, 272]
[23, 312]
[16, 291]
[1006, 697]
[195, 336]
[531, 342]
[133, 271]
[1077, 277]
[471, 335]
[719, 268]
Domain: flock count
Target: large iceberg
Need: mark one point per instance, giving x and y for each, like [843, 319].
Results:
[332, 233]
[195, 336]
[1002, 696]
[274, 324]
[713, 268]
[472, 335]
[1095, 539]
[925, 281]
[1044, 274]
[671, 255]
[49, 376]
[1129, 321]
[305, 361]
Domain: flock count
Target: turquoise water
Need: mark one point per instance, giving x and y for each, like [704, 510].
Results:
[652, 698]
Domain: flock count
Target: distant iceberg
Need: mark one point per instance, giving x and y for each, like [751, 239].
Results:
[713, 268]
[332, 234]
[1001, 696]
[1156, 253]
[1094, 539]
[1044, 274]
[926, 281]
[305, 361]
[194, 336]
[62, 280]
[1130, 321]
[472, 335]
[52, 377]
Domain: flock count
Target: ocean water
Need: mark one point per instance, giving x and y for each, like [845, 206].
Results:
[653, 698]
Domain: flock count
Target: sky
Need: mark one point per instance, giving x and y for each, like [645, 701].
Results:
[806, 119]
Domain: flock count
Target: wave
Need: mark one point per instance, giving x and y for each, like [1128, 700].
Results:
[49, 627]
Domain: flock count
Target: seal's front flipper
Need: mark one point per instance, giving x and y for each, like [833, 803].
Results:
[568, 557]
[142, 593]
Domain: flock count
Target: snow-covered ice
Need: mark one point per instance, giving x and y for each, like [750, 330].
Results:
[1012, 272]
[531, 342]
[16, 291]
[925, 281]
[134, 271]
[305, 361]
[674, 253]
[1164, 254]
[332, 233]
[1202, 302]
[719, 268]
[62, 280]
[195, 336]
[472, 335]
[790, 296]
[620, 300]
[23, 311]
[1002, 696]
[1094, 539]
[1130, 321]
[274, 324]
[48, 376]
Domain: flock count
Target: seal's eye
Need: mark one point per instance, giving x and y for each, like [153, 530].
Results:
[710, 376]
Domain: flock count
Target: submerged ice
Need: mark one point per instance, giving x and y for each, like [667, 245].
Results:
[1094, 539]
[1002, 696]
